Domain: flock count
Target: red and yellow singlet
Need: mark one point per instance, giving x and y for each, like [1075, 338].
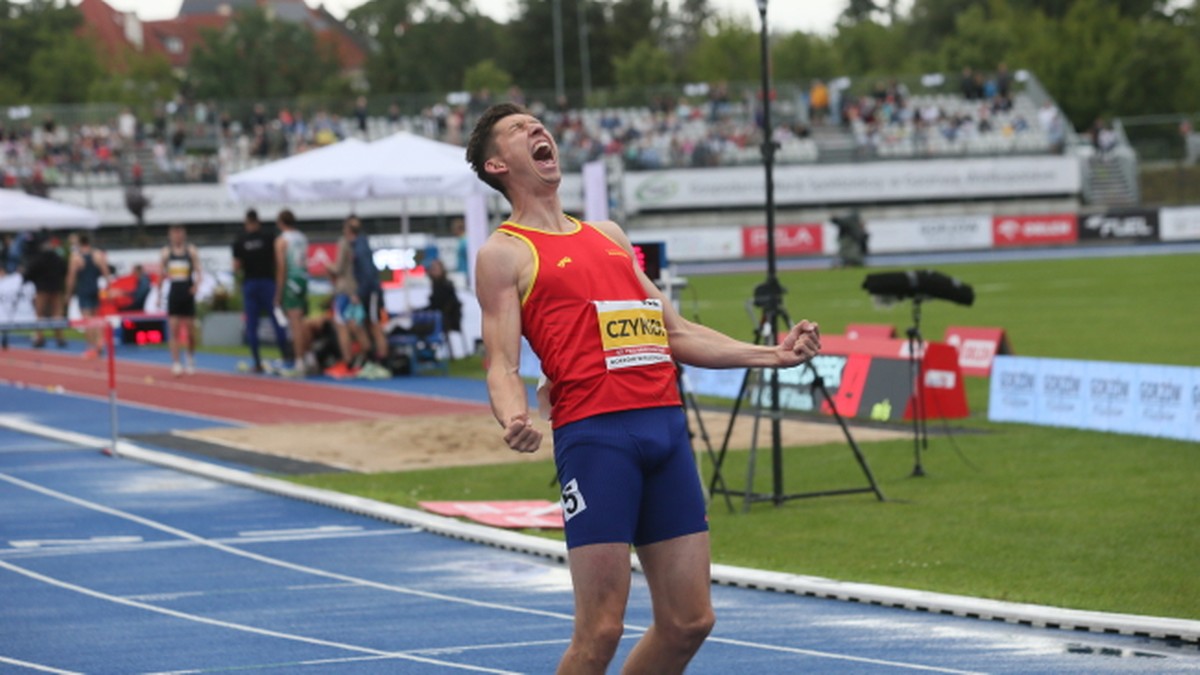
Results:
[602, 341]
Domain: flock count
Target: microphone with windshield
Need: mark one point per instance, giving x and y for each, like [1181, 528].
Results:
[922, 284]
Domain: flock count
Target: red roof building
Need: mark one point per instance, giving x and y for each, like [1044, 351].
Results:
[117, 32]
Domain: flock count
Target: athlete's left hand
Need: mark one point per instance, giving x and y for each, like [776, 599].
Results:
[800, 344]
[521, 435]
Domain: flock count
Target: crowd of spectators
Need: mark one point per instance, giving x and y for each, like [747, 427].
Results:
[203, 141]
[985, 117]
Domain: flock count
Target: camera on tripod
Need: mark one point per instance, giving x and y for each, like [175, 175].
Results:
[920, 285]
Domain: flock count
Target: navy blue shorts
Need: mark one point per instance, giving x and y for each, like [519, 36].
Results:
[629, 477]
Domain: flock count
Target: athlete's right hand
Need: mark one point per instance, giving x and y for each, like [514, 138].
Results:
[520, 434]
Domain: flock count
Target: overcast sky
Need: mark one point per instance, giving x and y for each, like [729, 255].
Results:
[788, 15]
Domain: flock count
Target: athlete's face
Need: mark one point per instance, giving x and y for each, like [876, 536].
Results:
[525, 150]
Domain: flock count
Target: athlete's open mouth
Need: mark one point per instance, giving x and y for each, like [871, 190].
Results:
[543, 153]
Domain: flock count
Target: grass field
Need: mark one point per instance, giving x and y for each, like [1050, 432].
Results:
[1015, 512]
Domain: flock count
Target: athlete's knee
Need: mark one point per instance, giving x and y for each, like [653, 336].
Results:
[688, 632]
[597, 644]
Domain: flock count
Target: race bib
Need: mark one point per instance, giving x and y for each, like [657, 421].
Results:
[632, 333]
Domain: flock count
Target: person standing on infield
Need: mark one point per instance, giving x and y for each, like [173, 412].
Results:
[291, 289]
[254, 260]
[181, 269]
[607, 338]
[85, 268]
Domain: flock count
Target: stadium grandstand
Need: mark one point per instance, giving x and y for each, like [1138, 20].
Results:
[187, 143]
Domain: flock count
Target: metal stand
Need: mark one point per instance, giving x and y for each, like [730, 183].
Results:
[769, 297]
[690, 407]
[916, 349]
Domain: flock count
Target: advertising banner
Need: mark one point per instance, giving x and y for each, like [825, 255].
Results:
[1146, 400]
[1037, 230]
[790, 240]
[1120, 225]
[1179, 223]
[700, 243]
[977, 347]
[866, 378]
[901, 181]
[932, 233]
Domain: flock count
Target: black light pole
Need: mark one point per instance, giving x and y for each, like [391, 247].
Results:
[769, 295]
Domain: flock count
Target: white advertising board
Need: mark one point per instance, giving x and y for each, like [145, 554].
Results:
[701, 243]
[1179, 223]
[932, 233]
[1141, 399]
[853, 183]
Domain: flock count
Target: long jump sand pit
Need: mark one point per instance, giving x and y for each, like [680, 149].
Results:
[408, 443]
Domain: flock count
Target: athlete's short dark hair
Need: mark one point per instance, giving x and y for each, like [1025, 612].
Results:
[480, 145]
[287, 217]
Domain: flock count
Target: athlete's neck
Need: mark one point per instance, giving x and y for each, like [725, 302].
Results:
[541, 214]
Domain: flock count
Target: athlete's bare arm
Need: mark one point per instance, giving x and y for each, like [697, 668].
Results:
[280, 269]
[503, 268]
[698, 345]
[197, 272]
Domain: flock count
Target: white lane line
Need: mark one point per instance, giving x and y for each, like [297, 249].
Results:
[399, 589]
[141, 406]
[304, 569]
[98, 547]
[842, 657]
[239, 626]
[36, 666]
[55, 543]
[320, 529]
[209, 391]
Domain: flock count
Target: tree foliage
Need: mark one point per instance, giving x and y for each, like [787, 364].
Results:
[1097, 58]
[255, 57]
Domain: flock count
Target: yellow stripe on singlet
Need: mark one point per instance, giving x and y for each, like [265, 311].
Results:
[537, 261]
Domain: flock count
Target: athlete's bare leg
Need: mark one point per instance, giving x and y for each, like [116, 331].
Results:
[679, 575]
[600, 574]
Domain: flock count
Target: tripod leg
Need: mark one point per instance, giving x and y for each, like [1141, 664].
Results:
[819, 384]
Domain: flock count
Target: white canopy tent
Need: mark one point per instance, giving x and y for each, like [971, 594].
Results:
[20, 211]
[399, 166]
[329, 172]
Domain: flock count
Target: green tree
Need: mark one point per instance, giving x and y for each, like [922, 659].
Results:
[731, 52]
[141, 80]
[64, 74]
[420, 46]
[26, 30]
[486, 75]
[646, 65]
[255, 57]
[801, 56]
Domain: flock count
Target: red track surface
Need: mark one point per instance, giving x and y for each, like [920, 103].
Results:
[237, 398]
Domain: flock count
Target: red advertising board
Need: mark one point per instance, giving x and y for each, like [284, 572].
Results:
[1046, 228]
[804, 239]
[320, 258]
[536, 513]
[875, 378]
[977, 347]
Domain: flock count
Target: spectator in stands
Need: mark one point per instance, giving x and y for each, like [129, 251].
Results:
[818, 102]
[1104, 139]
[1191, 142]
[86, 268]
[1051, 122]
